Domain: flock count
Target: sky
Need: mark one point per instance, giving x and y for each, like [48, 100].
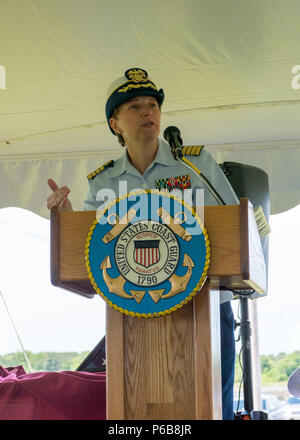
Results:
[48, 318]
[279, 312]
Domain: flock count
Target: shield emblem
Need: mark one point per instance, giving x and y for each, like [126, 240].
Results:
[153, 263]
[146, 252]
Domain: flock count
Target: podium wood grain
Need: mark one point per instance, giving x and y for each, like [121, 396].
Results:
[170, 365]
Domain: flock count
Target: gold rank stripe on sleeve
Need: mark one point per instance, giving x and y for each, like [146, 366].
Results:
[192, 150]
[99, 170]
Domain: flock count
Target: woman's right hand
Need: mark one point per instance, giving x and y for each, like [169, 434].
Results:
[59, 197]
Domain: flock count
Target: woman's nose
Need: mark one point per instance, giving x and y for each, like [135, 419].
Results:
[147, 110]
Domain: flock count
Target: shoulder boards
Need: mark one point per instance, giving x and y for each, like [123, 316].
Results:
[192, 150]
[99, 170]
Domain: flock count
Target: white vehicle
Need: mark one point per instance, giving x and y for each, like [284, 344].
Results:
[292, 408]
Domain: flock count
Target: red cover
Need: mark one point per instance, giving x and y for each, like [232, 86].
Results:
[64, 395]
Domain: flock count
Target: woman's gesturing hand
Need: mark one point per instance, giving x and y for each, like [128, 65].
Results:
[59, 197]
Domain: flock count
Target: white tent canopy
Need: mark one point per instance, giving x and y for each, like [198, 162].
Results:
[225, 67]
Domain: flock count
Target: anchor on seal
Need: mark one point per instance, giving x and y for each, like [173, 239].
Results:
[178, 283]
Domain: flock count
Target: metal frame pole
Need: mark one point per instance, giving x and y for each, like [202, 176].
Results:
[245, 332]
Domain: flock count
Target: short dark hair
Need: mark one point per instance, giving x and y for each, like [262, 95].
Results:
[119, 136]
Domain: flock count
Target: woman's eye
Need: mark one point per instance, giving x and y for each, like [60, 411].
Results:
[138, 106]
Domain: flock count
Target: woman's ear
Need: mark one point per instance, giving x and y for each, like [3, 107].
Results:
[114, 125]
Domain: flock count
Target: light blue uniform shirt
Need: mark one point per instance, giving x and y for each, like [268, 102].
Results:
[164, 166]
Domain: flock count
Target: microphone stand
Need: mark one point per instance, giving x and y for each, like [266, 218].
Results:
[245, 336]
[175, 143]
[172, 136]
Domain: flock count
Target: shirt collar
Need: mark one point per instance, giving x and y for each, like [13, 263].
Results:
[120, 165]
[163, 157]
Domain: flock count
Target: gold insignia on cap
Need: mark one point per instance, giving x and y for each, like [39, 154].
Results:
[137, 86]
[136, 75]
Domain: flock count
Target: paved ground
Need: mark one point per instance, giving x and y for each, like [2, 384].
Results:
[278, 389]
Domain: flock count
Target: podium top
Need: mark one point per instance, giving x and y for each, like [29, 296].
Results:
[237, 260]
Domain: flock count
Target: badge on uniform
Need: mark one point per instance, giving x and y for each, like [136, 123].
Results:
[147, 254]
[171, 183]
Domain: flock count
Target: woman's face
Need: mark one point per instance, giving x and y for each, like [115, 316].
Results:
[138, 120]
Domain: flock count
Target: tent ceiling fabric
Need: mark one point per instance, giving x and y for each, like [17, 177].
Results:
[225, 67]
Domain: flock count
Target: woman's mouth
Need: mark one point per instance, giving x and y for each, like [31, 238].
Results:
[148, 124]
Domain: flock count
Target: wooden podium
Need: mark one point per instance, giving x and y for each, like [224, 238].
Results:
[167, 367]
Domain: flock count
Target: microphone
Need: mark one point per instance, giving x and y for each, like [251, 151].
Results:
[173, 137]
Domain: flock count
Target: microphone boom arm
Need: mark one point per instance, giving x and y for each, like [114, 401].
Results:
[173, 137]
[203, 179]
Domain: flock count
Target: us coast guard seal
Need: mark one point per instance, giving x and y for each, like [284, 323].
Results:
[143, 260]
[146, 252]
